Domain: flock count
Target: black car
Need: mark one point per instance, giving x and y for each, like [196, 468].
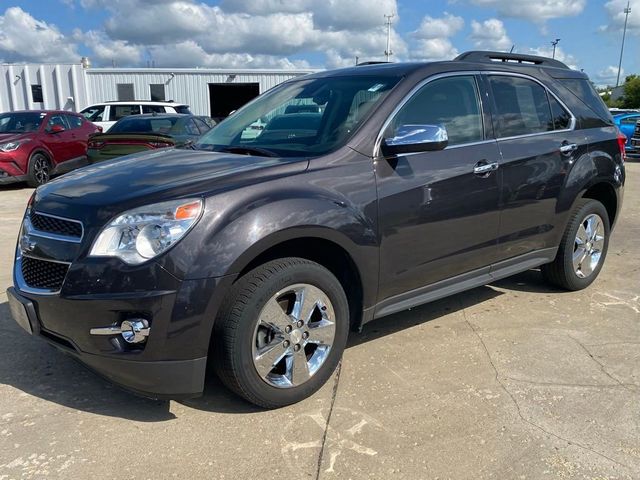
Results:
[256, 254]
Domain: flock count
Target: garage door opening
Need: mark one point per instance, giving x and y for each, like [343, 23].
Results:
[224, 98]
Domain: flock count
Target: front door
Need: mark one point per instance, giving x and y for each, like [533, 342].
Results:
[438, 218]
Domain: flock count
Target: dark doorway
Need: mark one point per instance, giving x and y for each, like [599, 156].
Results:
[224, 98]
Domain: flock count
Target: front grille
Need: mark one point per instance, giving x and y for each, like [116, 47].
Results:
[43, 274]
[59, 226]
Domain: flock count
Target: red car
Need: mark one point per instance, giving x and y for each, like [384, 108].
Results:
[36, 144]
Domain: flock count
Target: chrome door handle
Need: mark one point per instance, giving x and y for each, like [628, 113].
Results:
[568, 148]
[484, 168]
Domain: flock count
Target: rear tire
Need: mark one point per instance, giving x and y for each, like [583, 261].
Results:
[281, 332]
[583, 247]
[39, 170]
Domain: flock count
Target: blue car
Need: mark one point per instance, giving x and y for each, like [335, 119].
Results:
[626, 122]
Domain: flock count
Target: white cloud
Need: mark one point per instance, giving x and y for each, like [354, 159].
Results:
[107, 51]
[561, 55]
[23, 38]
[446, 26]
[608, 75]
[432, 38]
[272, 28]
[615, 11]
[535, 10]
[490, 35]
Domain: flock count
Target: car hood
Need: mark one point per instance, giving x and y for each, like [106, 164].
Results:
[161, 174]
[12, 137]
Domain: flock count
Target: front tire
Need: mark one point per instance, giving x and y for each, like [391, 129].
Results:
[39, 170]
[583, 248]
[281, 332]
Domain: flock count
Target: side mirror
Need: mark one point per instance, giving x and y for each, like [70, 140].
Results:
[56, 128]
[416, 138]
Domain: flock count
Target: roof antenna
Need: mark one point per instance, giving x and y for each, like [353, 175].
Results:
[512, 47]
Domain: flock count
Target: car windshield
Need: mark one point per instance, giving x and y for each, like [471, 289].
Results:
[309, 117]
[138, 124]
[21, 122]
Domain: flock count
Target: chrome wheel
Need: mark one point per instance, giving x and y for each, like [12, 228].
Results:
[40, 169]
[588, 245]
[293, 336]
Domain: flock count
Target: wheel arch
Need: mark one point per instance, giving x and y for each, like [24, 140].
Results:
[605, 193]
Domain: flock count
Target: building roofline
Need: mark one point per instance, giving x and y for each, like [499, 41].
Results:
[223, 71]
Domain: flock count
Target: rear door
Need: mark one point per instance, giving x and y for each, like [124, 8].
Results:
[437, 217]
[538, 144]
[58, 143]
[116, 112]
[78, 140]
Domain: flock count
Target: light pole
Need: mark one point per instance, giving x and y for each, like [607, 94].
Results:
[627, 11]
[388, 51]
[554, 43]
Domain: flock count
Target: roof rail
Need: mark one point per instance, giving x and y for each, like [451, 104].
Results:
[370, 63]
[141, 101]
[505, 57]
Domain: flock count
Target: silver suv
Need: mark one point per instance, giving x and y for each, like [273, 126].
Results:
[107, 113]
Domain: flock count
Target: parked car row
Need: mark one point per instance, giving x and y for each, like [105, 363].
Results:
[37, 144]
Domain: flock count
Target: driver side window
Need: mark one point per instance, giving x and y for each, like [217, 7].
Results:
[451, 102]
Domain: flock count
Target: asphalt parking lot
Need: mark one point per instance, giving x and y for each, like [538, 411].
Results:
[509, 381]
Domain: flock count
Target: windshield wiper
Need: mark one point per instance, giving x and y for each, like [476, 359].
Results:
[260, 152]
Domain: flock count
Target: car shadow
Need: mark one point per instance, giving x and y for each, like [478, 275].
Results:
[34, 367]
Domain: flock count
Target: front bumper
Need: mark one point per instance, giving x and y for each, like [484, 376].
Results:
[171, 364]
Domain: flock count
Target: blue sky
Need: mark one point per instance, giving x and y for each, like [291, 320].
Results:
[312, 33]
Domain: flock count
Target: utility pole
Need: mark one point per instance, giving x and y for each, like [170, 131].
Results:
[388, 51]
[555, 43]
[627, 11]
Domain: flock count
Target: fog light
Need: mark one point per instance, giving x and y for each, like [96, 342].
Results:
[134, 330]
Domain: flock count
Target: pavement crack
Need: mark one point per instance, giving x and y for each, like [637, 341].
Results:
[517, 405]
[567, 385]
[334, 394]
[601, 365]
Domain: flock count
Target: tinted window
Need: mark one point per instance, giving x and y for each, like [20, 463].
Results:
[182, 109]
[144, 125]
[561, 118]
[73, 121]
[583, 89]
[94, 114]
[451, 102]
[263, 124]
[153, 109]
[202, 126]
[629, 120]
[521, 106]
[57, 119]
[20, 122]
[191, 128]
[120, 111]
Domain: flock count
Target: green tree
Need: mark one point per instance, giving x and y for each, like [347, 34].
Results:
[631, 97]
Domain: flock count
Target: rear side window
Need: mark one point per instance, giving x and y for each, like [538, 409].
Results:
[561, 118]
[74, 121]
[452, 102]
[182, 109]
[522, 107]
[94, 114]
[153, 109]
[583, 89]
[119, 111]
[629, 120]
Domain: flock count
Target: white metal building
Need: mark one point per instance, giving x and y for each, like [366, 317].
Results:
[213, 92]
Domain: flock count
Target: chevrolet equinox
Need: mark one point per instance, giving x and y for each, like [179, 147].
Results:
[367, 191]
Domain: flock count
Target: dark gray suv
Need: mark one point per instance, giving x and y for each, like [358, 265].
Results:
[331, 200]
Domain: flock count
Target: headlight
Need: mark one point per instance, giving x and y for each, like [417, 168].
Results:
[144, 233]
[9, 146]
